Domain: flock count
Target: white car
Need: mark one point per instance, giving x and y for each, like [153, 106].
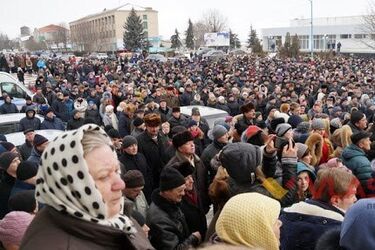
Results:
[19, 138]
[9, 123]
[208, 113]
[156, 57]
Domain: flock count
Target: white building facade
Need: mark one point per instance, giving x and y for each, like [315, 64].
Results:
[350, 32]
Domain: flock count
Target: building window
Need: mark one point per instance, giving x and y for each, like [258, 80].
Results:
[304, 42]
[144, 17]
[113, 19]
[318, 42]
[145, 26]
[345, 36]
[360, 36]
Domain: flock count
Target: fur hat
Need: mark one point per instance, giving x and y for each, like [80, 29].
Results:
[170, 178]
[247, 107]
[336, 123]
[138, 122]
[185, 168]
[176, 109]
[152, 120]
[181, 138]
[133, 179]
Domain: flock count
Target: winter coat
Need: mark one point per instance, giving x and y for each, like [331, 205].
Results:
[6, 184]
[39, 99]
[8, 108]
[140, 204]
[81, 107]
[234, 108]
[207, 155]
[25, 150]
[61, 110]
[110, 119]
[75, 123]
[155, 154]
[67, 232]
[309, 216]
[195, 217]
[29, 123]
[168, 227]
[165, 114]
[200, 179]
[356, 160]
[26, 107]
[54, 123]
[124, 124]
[242, 124]
[94, 115]
[173, 121]
[223, 107]
[35, 156]
[186, 98]
[330, 240]
[139, 162]
[51, 97]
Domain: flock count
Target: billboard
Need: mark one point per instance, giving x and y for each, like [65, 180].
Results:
[216, 39]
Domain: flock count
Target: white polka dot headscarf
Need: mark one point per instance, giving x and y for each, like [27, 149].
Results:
[64, 181]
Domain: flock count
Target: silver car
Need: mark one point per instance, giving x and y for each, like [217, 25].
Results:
[10, 123]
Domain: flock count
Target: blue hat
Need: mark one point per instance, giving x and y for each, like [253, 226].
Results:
[301, 167]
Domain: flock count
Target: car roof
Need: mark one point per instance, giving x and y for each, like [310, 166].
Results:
[15, 117]
[18, 138]
[203, 110]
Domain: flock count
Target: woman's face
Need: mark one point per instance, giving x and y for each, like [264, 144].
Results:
[105, 170]
[307, 158]
[189, 181]
[303, 181]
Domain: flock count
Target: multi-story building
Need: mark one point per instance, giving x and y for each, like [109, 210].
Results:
[54, 36]
[25, 31]
[104, 31]
[350, 32]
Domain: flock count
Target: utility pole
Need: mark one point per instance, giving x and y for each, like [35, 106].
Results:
[311, 31]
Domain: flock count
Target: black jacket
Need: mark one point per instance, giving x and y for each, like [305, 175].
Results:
[330, 240]
[168, 227]
[6, 184]
[74, 123]
[27, 122]
[155, 154]
[8, 108]
[186, 98]
[177, 122]
[25, 150]
[207, 155]
[139, 162]
[195, 217]
[124, 124]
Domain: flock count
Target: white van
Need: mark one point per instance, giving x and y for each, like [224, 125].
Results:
[14, 88]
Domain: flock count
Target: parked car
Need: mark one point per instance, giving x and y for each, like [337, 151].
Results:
[208, 113]
[14, 88]
[203, 50]
[156, 57]
[214, 55]
[10, 123]
[19, 138]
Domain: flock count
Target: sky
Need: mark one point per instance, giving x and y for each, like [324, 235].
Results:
[175, 13]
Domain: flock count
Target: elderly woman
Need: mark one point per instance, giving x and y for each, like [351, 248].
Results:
[79, 183]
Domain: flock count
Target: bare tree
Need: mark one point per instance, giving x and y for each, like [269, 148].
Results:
[199, 30]
[369, 25]
[215, 21]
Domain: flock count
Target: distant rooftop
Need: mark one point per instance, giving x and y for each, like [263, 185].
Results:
[50, 28]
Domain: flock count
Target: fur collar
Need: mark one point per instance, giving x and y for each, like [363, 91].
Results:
[314, 210]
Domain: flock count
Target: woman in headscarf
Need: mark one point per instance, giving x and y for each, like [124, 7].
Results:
[79, 183]
[250, 219]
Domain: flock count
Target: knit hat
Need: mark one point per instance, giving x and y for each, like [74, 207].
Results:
[138, 122]
[133, 179]
[170, 178]
[301, 167]
[360, 216]
[317, 124]
[13, 227]
[176, 129]
[6, 159]
[181, 138]
[301, 149]
[195, 111]
[359, 136]
[218, 131]
[185, 168]
[113, 133]
[336, 123]
[303, 127]
[7, 145]
[294, 120]
[251, 131]
[129, 140]
[26, 170]
[152, 120]
[356, 116]
[39, 140]
[241, 160]
[176, 109]
[23, 201]
[192, 123]
[274, 123]
[247, 219]
[282, 128]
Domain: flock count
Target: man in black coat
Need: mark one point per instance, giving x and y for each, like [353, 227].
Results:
[133, 160]
[152, 145]
[177, 119]
[8, 107]
[76, 121]
[168, 226]
[30, 121]
[27, 147]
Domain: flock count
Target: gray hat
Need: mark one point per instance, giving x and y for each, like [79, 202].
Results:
[336, 123]
[317, 124]
[218, 131]
[128, 141]
[282, 128]
[301, 149]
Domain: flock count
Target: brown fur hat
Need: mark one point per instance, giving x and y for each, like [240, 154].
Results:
[152, 120]
[315, 144]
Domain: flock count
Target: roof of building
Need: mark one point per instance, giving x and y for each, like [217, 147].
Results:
[124, 7]
[50, 28]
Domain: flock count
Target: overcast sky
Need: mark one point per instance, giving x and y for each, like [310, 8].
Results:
[175, 13]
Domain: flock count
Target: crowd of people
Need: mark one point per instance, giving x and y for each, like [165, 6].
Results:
[290, 167]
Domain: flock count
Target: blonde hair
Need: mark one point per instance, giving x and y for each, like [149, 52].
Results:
[92, 140]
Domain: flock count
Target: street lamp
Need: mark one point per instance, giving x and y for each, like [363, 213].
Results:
[311, 30]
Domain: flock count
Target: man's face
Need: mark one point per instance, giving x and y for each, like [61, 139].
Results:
[348, 200]
[153, 131]
[30, 136]
[132, 193]
[132, 149]
[365, 144]
[30, 114]
[250, 114]
[362, 124]
[163, 105]
[175, 195]
[50, 115]
[176, 115]
[188, 148]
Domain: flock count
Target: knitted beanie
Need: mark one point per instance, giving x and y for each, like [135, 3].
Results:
[26, 170]
[356, 116]
[185, 168]
[180, 139]
[247, 219]
[113, 133]
[13, 226]
[6, 159]
[336, 123]
[317, 124]
[128, 141]
[7, 145]
[133, 179]
[39, 140]
[23, 201]
[301, 150]
[170, 178]
[138, 122]
[282, 128]
[218, 131]
[294, 120]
